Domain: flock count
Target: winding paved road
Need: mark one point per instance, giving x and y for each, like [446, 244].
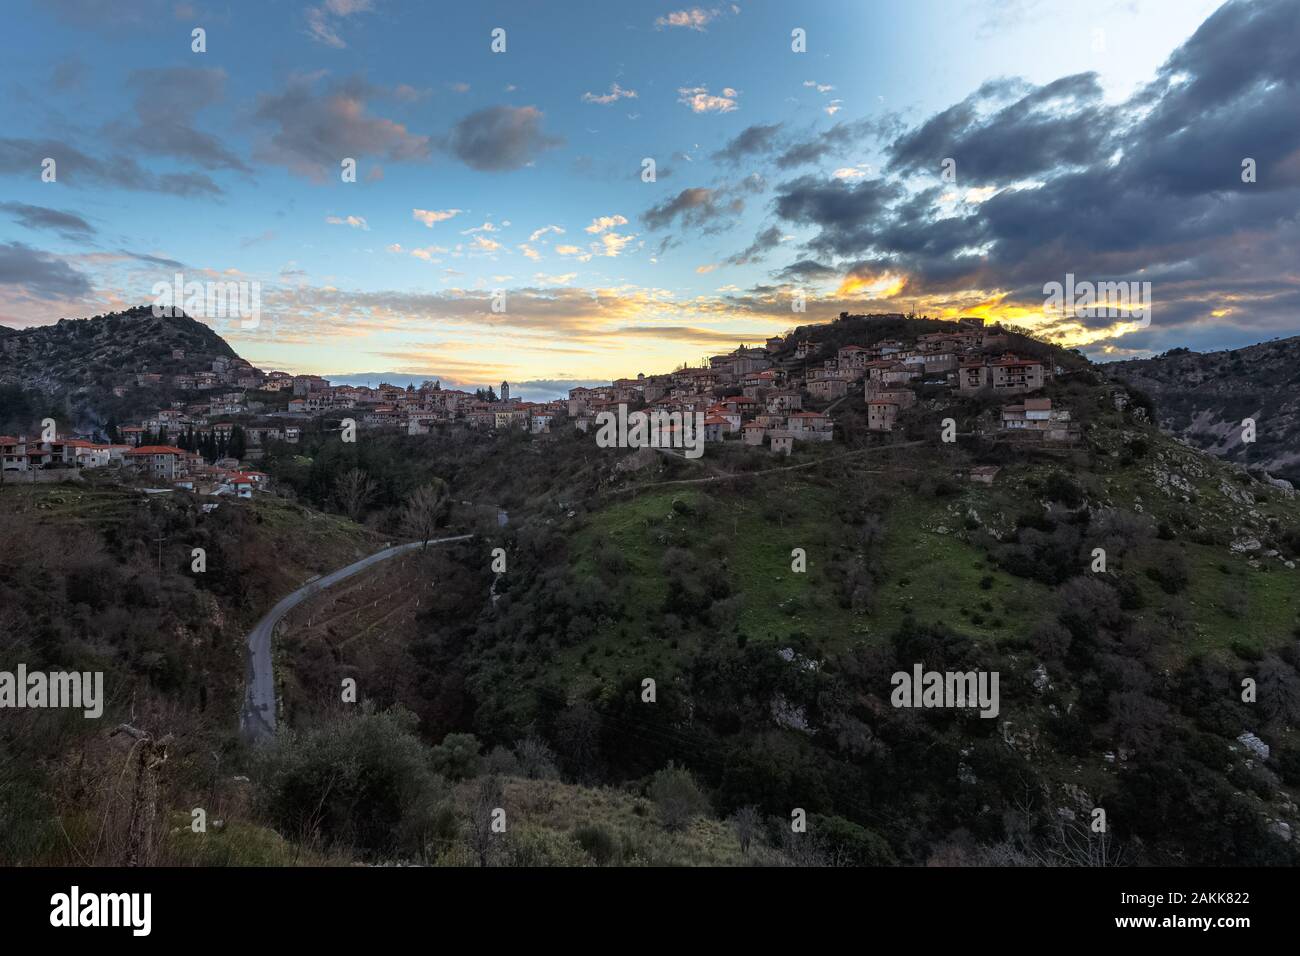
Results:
[257, 721]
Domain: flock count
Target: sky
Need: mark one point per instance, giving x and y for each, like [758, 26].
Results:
[948, 157]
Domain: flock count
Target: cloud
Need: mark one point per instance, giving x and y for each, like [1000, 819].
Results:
[430, 216]
[68, 74]
[313, 132]
[100, 15]
[692, 18]
[167, 100]
[851, 173]
[1061, 124]
[687, 333]
[323, 21]
[615, 94]
[67, 224]
[75, 168]
[356, 222]
[1056, 180]
[845, 212]
[611, 244]
[40, 274]
[500, 138]
[152, 260]
[606, 222]
[838, 139]
[427, 253]
[805, 270]
[538, 233]
[752, 141]
[699, 100]
[693, 207]
[763, 243]
[264, 236]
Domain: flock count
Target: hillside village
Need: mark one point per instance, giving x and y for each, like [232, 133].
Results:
[771, 397]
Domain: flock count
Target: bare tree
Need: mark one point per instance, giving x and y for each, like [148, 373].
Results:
[353, 490]
[489, 797]
[1075, 844]
[424, 509]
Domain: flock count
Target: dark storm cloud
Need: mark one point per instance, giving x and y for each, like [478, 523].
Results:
[763, 243]
[752, 141]
[831, 142]
[804, 270]
[1061, 124]
[846, 212]
[500, 138]
[153, 260]
[39, 273]
[23, 157]
[67, 224]
[1150, 189]
[696, 207]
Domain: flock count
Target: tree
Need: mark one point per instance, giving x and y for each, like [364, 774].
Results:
[1279, 691]
[353, 490]
[536, 759]
[577, 734]
[677, 796]
[489, 797]
[457, 757]
[238, 442]
[424, 511]
[746, 822]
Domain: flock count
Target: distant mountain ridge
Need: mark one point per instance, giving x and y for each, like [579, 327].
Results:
[1203, 397]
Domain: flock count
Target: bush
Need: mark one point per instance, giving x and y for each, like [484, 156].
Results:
[457, 757]
[1060, 487]
[597, 842]
[536, 760]
[678, 797]
[1173, 576]
[849, 844]
[349, 783]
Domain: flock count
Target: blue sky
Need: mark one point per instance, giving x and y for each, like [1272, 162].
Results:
[1088, 138]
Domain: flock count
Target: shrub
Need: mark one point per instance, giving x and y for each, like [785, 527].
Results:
[349, 783]
[597, 842]
[678, 797]
[849, 844]
[457, 757]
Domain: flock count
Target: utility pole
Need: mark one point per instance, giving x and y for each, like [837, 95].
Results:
[160, 539]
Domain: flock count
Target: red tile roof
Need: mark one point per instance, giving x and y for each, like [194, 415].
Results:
[156, 450]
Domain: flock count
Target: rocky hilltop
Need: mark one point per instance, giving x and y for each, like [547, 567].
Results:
[1203, 397]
